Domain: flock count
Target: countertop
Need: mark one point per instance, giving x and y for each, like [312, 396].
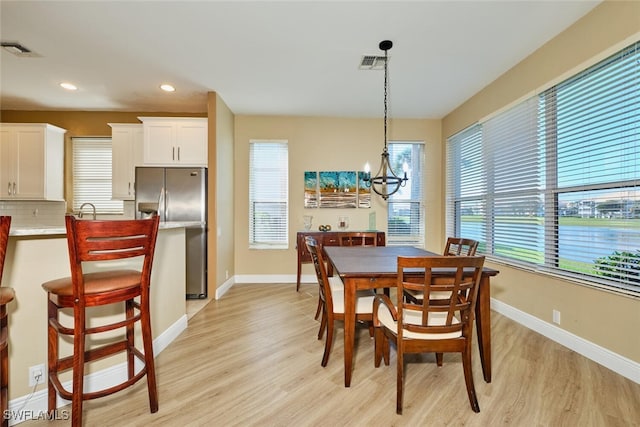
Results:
[61, 230]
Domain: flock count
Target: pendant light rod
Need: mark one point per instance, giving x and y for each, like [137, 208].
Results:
[386, 182]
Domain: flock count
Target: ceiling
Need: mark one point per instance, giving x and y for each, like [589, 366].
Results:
[268, 57]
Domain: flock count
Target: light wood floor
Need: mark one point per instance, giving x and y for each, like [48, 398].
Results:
[252, 359]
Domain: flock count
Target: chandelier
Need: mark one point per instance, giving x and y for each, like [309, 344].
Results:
[386, 182]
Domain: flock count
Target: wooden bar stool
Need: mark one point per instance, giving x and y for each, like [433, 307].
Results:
[6, 296]
[97, 241]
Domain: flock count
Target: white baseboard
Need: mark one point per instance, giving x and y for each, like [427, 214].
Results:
[607, 358]
[222, 289]
[275, 278]
[265, 278]
[34, 406]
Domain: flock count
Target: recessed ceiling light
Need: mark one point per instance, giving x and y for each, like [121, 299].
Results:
[167, 88]
[68, 86]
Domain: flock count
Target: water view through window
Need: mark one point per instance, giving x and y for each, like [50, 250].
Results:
[554, 181]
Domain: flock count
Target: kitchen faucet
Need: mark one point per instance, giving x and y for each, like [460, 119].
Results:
[92, 207]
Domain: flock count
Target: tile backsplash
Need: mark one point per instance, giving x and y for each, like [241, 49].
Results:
[39, 213]
[34, 213]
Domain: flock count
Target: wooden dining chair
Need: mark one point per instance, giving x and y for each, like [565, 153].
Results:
[350, 238]
[435, 325]
[460, 246]
[93, 243]
[7, 295]
[455, 246]
[333, 299]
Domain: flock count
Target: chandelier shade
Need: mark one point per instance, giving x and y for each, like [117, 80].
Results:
[386, 182]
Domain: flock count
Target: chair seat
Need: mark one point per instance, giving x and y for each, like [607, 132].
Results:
[414, 317]
[364, 299]
[336, 283]
[96, 283]
[436, 295]
[6, 295]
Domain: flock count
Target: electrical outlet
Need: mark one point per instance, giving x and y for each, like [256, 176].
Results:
[36, 375]
[556, 317]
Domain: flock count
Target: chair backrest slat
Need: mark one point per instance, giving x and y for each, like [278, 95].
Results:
[321, 271]
[455, 276]
[458, 246]
[97, 240]
[5, 225]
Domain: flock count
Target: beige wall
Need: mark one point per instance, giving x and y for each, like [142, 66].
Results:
[221, 236]
[603, 318]
[323, 143]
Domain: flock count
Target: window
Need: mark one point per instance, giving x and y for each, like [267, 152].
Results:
[405, 210]
[268, 195]
[92, 175]
[554, 182]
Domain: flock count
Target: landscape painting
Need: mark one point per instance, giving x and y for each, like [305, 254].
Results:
[364, 191]
[338, 189]
[310, 189]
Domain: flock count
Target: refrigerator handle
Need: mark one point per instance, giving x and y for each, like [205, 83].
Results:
[166, 204]
[161, 201]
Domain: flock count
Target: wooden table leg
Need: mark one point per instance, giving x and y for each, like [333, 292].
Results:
[483, 326]
[349, 328]
[299, 274]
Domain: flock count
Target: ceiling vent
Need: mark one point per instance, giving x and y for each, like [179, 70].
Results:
[371, 62]
[17, 49]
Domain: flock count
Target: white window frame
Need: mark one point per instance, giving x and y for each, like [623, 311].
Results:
[570, 166]
[92, 175]
[405, 209]
[268, 194]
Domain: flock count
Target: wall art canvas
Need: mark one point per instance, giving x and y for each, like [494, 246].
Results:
[364, 191]
[311, 189]
[338, 189]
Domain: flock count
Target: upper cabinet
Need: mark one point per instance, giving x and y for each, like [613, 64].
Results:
[31, 161]
[126, 143]
[175, 141]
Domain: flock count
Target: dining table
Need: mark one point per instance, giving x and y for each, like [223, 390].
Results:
[376, 267]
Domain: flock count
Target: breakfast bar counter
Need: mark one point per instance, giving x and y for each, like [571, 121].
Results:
[52, 230]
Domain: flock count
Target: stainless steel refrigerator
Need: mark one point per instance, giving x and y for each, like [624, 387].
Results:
[179, 194]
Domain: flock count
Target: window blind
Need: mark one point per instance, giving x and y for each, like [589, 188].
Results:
[405, 219]
[596, 140]
[554, 182]
[268, 195]
[515, 190]
[92, 175]
[467, 187]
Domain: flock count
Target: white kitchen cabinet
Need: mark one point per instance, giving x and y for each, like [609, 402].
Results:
[126, 145]
[175, 141]
[31, 161]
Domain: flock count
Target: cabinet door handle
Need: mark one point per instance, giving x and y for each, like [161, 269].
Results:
[173, 153]
[129, 188]
[9, 189]
[178, 153]
[14, 188]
